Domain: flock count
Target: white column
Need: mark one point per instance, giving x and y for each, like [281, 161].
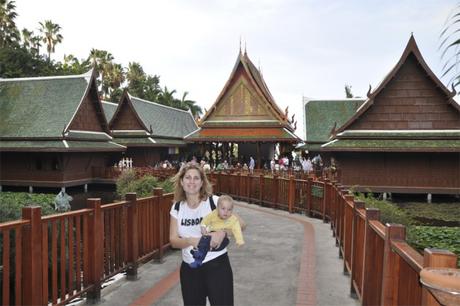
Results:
[86, 188]
[31, 189]
[429, 198]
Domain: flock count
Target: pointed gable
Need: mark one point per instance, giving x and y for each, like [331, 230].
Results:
[410, 97]
[245, 98]
[89, 115]
[126, 117]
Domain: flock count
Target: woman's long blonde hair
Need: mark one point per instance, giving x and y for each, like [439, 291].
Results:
[179, 193]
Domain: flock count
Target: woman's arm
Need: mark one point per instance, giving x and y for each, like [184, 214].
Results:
[178, 242]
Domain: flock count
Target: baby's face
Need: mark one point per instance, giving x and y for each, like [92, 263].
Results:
[225, 209]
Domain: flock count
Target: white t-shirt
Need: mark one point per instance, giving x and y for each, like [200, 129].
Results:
[188, 225]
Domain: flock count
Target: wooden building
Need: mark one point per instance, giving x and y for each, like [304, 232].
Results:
[53, 131]
[405, 137]
[150, 131]
[244, 119]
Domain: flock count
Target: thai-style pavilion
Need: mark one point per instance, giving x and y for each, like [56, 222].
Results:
[244, 119]
[405, 137]
[150, 131]
[53, 131]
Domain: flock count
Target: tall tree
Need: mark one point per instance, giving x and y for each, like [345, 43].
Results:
[9, 33]
[166, 97]
[190, 105]
[51, 36]
[136, 77]
[449, 45]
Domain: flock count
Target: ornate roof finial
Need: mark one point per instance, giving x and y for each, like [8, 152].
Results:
[240, 43]
[454, 92]
[369, 91]
[245, 51]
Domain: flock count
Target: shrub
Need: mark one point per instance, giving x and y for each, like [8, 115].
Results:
[440, 237]
[11, 204]
[143, 186]
[389, 212]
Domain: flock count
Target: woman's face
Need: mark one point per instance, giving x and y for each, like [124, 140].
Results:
[192, 182]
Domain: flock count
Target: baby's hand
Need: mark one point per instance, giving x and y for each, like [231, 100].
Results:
[204, 229]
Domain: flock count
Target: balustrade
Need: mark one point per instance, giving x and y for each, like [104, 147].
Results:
[55, 258]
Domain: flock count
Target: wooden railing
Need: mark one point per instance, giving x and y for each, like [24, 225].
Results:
[383, 268]
[53, 259]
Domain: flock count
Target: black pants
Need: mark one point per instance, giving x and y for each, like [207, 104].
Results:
[214, 279]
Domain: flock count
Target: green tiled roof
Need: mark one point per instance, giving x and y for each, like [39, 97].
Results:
[109, 109]
[165, 121]
[451, 145]
[172, 142]
[400, 134]
[86, 135]
[322, 115]
[127, 141]
[130, 133]
[39, 107]
[59, 146]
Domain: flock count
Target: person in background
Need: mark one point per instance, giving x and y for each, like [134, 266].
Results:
[252, 165]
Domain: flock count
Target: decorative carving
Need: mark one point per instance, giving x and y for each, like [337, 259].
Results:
[369, 91]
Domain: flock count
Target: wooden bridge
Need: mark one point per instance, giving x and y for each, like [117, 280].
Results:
[53, 259]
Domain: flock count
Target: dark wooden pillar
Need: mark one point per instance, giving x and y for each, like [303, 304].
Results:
[259, 160]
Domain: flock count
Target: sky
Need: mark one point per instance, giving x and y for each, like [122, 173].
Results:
[304, 48]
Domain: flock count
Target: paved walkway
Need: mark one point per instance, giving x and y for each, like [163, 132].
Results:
[288, 259]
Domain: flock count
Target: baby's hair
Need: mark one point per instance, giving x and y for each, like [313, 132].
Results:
[225, 198]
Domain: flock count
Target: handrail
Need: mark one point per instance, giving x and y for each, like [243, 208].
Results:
[101, 240]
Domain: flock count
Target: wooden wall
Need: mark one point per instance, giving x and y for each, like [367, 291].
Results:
[403, 172]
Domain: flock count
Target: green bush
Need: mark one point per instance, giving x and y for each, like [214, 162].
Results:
[389, 212]
[443, 212]
[440, 237]
[11, 204]
[143, 186]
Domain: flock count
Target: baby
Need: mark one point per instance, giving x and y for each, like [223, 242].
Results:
[221, 218]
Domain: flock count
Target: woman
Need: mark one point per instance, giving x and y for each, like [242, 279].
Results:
[214, 279]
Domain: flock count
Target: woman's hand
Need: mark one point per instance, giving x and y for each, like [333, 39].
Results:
[217, 238]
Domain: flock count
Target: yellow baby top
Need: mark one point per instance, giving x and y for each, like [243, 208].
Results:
[214, 223]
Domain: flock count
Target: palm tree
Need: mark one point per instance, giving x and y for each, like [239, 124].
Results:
[113, 79]
[9, 33]
[51, 36]
[136, 79]
[166, 97]
[27, 38]
[190, 105]
[450, 43]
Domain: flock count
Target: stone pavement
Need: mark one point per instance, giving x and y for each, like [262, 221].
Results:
[288, 259]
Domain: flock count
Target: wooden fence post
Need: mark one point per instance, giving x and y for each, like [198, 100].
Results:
[95, 249]
[309, 195]
[161, 223]
[355, 244]
[391, 264]
[291, 196]
[437, 259]
[32, 257]
[347, 232]
[275, 190]
[370, 270]
[261, 188]
[326, 198]
[133, 236]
